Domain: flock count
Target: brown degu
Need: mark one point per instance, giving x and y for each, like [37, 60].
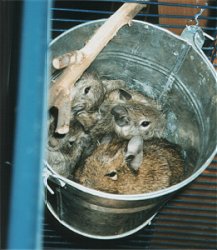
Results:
[87, 95]
[129, 119]
[123, 95]
[114, 94]
[134, 167]
[64, 151]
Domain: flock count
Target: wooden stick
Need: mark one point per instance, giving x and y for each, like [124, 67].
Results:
[60, 91]
[74, 57]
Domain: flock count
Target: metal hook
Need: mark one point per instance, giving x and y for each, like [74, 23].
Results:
[47, 172]
[197, 22]
[199, 14]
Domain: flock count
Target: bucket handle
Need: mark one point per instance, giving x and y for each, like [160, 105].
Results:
[47, 173]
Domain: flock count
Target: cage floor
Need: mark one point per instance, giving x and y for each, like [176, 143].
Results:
[187, 221]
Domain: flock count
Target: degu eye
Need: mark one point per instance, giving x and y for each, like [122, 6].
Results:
[145, 124]
[71, 141]
[86, 90]
[113, 175]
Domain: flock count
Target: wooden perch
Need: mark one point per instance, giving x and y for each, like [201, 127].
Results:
[78, 61]
[74, 57]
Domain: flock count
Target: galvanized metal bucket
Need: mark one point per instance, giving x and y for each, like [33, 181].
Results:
[175, 72]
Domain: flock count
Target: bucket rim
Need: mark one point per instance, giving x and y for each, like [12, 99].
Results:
[199, 51]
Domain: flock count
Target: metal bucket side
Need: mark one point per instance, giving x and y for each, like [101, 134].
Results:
[147, 222]
[98, 217]
[165, 67]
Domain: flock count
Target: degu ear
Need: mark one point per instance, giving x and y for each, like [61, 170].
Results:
[111, 85]
[134, 153]
[119, 111]
[124, 95]
[120, 115]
